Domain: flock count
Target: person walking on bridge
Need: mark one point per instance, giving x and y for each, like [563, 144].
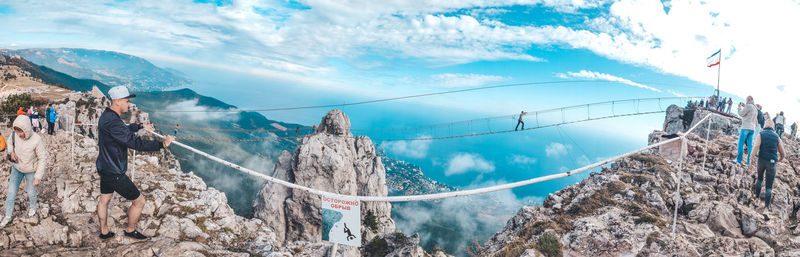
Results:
[114, 138]
[768, 146]
[748, 113]
[519, 121]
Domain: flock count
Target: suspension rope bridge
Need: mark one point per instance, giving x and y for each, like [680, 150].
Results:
[426, 197]
[614, 113]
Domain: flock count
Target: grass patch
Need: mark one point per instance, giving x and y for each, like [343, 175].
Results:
[549, 245]
[188, 210]
[599, 199]
[646, 219]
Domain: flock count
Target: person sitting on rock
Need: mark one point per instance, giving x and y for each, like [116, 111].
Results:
[768, 146]
[29, 158]
[748, 112]
[114, 138]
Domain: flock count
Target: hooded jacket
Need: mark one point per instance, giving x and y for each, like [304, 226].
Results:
[114, 139]
[30, 150]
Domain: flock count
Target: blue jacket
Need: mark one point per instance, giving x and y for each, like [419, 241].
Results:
[114, 139]
[53, 116]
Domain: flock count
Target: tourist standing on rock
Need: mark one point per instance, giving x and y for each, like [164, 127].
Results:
[52, 118]
[519, 121]
[760, 118]
[779, 123]
[730, 103]
[748, 113]
[114, 139]
[35, 121]
[47, 117]
[768, 146]
[794, 129]
[29, 159]
[20, 111]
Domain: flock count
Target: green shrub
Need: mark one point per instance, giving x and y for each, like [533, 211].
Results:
[371, 221]
[377, 247]
[549, 245]
[13, 102]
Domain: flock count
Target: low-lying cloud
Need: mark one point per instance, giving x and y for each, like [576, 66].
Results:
[556, 149]
[195, 112]
[416, 149]
[465, 162]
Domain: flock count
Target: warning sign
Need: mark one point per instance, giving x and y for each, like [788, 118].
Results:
[341, 220]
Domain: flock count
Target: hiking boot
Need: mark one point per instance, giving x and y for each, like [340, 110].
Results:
[5, 221]
[135, 235]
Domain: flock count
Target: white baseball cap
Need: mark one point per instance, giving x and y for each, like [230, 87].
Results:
[119, 92]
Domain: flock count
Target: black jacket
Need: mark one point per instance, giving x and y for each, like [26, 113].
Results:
[114, 139]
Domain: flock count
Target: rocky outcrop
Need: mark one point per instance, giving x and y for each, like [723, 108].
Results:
[332, 160]
[181, 215]
[626, 209]
[680, 120]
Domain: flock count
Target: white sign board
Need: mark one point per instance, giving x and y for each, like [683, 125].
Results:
[341, 220]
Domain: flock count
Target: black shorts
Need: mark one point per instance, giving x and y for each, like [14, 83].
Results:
[120, 184]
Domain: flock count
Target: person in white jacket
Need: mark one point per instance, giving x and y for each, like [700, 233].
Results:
[29, 158]
[748, 112]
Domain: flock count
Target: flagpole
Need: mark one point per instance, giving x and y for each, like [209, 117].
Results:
[719, 68]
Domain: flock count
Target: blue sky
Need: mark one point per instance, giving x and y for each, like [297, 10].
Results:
[374, 49]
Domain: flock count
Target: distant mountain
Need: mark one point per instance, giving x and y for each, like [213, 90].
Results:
[111, 68]
[52, 77]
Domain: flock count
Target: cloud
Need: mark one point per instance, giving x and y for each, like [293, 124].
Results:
[465, 80]
[464, 162]
[521, 159]
[197, 112]
[556, 149]
[416, 149]
[461, 218]
[584, 74]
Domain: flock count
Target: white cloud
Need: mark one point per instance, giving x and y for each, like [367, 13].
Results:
[638, 32]
[465, 80]
[197, 112]
[414, 149]
[584, 74]
[556, 149]
[465, 162]
[522, 159]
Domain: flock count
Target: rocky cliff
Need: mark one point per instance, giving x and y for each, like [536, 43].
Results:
[333, 160]
[182, 215]
[627, 209]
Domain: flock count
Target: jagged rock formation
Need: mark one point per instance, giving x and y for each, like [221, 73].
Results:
[332, 160]
[627, 209]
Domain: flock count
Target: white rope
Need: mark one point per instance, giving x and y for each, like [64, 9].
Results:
[430, 196]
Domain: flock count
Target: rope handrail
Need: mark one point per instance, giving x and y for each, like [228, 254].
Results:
[435, 196]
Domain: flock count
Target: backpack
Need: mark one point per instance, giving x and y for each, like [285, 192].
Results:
[2, 143]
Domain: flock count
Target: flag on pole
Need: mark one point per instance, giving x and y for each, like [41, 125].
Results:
[713, 59]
